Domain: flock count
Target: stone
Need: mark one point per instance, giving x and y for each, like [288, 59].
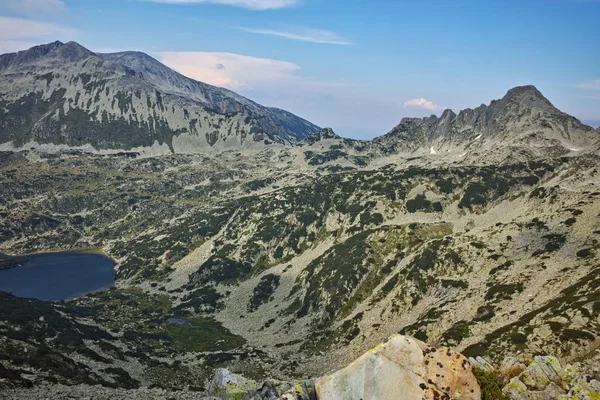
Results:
[229, 386]
[515, 390]
[403, 368]
[512, 362]
[584, 388]
[300, 392]
[481, 363]
[277, 390]
[546, 379]
[541, 372]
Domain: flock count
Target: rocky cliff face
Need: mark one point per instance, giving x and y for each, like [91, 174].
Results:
[520, 126]
[64, 94]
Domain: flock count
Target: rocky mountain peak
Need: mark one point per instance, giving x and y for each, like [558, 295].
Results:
[13, 60]
[63, 52]
[523, 119]
[447, 116]
[526, 90]
[128, 100]
[526, 97]
[72, 52]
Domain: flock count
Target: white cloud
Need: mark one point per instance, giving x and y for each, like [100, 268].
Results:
[28, 6]
[304, 35]
[251, 4]
[245, 73]
[233, 71]
[20, 34]
[594, 84]
[424, 104]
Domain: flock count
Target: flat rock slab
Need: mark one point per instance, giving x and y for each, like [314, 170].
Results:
[403, 368]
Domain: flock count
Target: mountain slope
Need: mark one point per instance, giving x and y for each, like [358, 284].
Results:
[65, 94]
[291, 261]
[522, 125]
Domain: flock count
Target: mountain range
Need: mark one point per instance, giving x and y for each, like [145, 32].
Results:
[64, 94]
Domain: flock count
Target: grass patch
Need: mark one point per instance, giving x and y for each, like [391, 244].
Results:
[491, 384]
[202, 334]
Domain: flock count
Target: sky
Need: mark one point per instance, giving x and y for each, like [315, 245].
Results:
[358, 66]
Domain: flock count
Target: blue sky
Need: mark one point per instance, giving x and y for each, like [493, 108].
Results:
[356, 66]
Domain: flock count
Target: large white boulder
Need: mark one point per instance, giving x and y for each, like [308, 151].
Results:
[403, 368]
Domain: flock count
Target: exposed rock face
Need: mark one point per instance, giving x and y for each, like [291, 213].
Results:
[546, 379]
[229, 386]
[403, 368]
[64, 94]
[523, 124]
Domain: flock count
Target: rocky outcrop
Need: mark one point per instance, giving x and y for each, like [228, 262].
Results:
[229, 386]
[403, 368]
[521, 125]
[545, 378]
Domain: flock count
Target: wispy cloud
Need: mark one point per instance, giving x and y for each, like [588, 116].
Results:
[229, 70]
[20, 34]
[303, 34]
[594, 84]
[424, 104]
[244, 73]
[250, 4]
[33, 6]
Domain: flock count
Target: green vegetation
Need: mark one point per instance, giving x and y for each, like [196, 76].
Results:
[205, 299]
[491, 384]
[220, 270]
[263, 291]
[201, 334]
[503, 291]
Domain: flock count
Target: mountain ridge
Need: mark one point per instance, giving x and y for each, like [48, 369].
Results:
[78, 94]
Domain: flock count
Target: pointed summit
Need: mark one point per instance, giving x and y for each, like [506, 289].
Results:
[526, 89]
[527, 96]
[523, 119]
[73, 51]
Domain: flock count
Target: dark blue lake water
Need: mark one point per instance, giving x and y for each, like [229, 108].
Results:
[59, 276]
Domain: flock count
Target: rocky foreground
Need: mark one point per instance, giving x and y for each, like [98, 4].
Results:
[402, 368]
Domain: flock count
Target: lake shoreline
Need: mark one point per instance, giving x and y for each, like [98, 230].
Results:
[79, 250]
[9, 262]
